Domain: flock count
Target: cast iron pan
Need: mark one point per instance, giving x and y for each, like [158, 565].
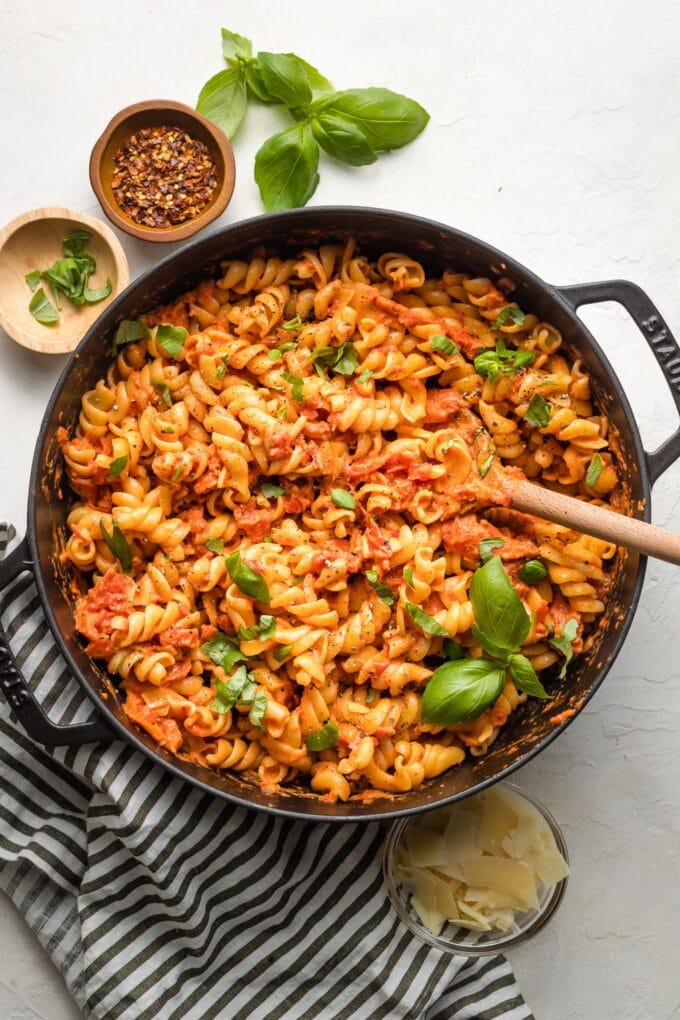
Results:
[529, 730]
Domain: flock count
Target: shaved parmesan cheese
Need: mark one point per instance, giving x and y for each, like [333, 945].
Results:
[480, 863]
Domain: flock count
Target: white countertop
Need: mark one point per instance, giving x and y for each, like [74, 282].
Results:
[555, 136]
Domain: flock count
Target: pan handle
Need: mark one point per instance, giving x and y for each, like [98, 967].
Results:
[662, 343]
[19, 695]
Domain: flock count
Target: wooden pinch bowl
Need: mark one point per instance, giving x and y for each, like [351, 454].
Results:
[161, 113]
[33, 241]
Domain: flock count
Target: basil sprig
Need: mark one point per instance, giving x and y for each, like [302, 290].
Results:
[462, 689]
[118, 544]
[69, 276]
[247, 580]
[351, 126]
[493, 364]
[241, 690]
[322, 739]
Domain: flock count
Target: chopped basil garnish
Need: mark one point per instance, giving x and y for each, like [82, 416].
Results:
[508, 314]
[295, 384]
[117, 466]
[271, 491]
[408, 576]
[341, 359]
[33, 279]
[538, 412]
[383, 591]
[493, 364]
[324, 738]
[484, 467]
[365, 376]
[238, 690]
[171, 339]
[42, 309]
[223, 650]
[164, 391]
[118, 544]
[423, 620]
[452, 649]
[345, 500]
[281, 653]
[127, 332]
[594, 470]
[247, 580]
[215, 545]
[259, 708]
[564, 642]
[292, 324]
[443, 344]
[176, 475]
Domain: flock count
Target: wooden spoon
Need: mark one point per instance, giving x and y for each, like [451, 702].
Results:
[596, 520]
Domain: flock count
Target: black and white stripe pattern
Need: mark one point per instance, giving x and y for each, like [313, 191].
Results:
[157, 901]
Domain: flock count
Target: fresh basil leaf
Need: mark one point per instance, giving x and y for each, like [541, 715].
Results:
[223, 99]
[386, 119]
[286, 168]
[239, 689]
[221, 703]
[487, 545]
[319, 85]
[92, 296]
[344, 499]
[594, 470]
[342, 139]
[42, 309]
[247, 580]
[452, 649]
[461, 691]
[524, 676]
[321, 740]
[293, 324]
[295, 386]
[538, 412]
[423, 620]
[164, 391]
[215, 545]
[118, 544]
[532, 572]
[33, 279]
[346, 361]
[74, 244]
[271, 491]
[563, 644]
[499, 612]
[284, 77]
[256, 85]
[485, 466]
[274, 354]
[490, 647]
[235, 46]
[408, 576]
[365, 376]
[259, 708]
[171, 339]
[267, 626]
[281, 653]
[117, 466]
[508, 314]
[383, 591]
[443, 344]
[223, 650]
[127, 332]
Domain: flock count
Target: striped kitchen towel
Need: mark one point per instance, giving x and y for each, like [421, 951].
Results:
[158, 902]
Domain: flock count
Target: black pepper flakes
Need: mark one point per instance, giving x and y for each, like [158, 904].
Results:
[163, 177]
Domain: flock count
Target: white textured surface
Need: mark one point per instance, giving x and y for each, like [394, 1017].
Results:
[555, 135]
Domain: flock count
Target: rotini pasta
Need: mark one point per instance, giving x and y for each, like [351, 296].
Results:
[281, 508]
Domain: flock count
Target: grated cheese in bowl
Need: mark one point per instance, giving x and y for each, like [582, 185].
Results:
[488, 864]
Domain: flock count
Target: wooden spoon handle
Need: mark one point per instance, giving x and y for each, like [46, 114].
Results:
[596, 520]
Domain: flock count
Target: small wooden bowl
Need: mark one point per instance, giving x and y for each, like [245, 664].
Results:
[33, 241]
[161, 113]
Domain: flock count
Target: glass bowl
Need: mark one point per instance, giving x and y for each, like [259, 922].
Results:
[453, 938]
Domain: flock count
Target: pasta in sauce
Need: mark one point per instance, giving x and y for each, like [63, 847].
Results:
[323, 417]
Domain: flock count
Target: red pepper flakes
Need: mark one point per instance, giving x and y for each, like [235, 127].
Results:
[162, 177]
